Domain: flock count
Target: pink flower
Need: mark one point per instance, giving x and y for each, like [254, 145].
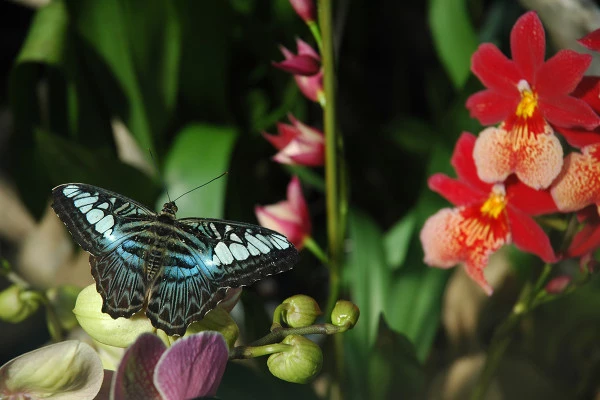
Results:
[305, 9]
[530, 97]
[298, 144]
[558, 285]
[289, 217]
[191, 368]
[487, 217]
[306, 68]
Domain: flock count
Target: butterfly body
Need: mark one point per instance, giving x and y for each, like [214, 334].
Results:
[179, 269]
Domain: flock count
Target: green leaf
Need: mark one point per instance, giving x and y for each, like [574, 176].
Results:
[135, 63]
[199, 154]
[453, 36]
[43, 51]
[367, 276]
[397, 239]
[66, 161]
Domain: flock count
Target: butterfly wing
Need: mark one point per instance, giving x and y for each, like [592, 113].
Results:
[210, 256]
[110, 227]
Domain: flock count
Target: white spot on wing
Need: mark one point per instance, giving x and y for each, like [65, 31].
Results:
[85, 201]
[282, 241]
[70, 190]
[239, 251]
[85, 209]
[216, 260]
[94, 216]
[215, 231]
[122, 207]
[223, 253]
[105, 224]
[104, 206]
[263, 248]
[253, 250]
[235, 238]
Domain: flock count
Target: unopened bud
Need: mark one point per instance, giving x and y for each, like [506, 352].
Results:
[217, 320]
[305, 9]
[300, 363]
[345, 313]
[558, 285]
[299, 311]
[17, 303]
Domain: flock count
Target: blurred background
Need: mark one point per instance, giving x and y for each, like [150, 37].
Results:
[88, 87]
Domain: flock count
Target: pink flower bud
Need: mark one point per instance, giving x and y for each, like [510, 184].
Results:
[305, 9]
[558, 285]
[306, 68]
[298, 144]
[289, 217]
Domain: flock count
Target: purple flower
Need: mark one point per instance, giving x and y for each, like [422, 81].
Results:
[191, 368]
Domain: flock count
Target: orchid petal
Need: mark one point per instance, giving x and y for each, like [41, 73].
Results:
[578, 185]
[299, 65]
[569, 112]
[495, 70]
[529, 237]
[192, 367]
[455, 191]
[306, 49]
[489, 107]
[588, 90]
[528, 45]
[579, 137]
[585, 241]
[463, 163]
[529, 200]
[591, 40]
[134, 379]
[566, 64]
[66, 370]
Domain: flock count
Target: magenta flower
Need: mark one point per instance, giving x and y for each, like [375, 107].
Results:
[306, 68]
[191, 368]
[298, 144]
[289, 217]
[305, 9]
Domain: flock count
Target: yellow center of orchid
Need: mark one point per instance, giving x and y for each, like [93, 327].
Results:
[495, 204]
[527, 105]
[529, 100]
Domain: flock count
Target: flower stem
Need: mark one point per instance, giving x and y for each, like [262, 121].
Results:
[314, 29]
[505, 332]
[278, 334]
[317, 251]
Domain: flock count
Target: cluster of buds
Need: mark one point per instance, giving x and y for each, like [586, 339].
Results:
[515, 170]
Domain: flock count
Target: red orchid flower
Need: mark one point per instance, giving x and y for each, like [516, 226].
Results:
[487, 217]
[298, 144]
[191, 368]
[306, 68]
[529, 96]
[289, 217]
[588, 238]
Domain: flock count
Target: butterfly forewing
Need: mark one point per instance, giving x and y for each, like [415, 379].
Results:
[181, 267]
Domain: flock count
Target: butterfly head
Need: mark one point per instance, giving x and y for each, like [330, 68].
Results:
[169, 209]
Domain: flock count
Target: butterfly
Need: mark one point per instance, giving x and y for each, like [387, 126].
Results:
[178, 268]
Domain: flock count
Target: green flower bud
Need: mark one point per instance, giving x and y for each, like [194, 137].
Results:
[298, 311]
[345, 314]
[120, 332]
[218, 320]
[300, 363]
[17, 303]
[63, 300]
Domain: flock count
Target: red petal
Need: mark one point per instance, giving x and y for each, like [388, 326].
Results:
[528, 45]
[579, 137]
[529, 237]
[592, 40]
[561, 73]
[463, 163]
[569, 112]
[456, 192]
[495, 70]
[305, 49]
[585, 241]
[588, 90]
[490, 107]
[528, 200]
[299, 65]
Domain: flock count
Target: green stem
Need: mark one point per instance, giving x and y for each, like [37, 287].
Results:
[278, 334]
[314, 248]
[314, 29]
[505, 332]
[253, 352]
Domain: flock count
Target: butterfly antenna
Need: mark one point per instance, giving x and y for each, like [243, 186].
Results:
[204, 184]
[159, 174]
